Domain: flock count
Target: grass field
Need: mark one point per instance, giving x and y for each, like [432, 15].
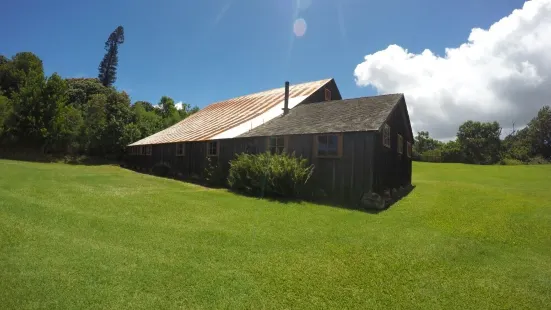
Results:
[467, 237]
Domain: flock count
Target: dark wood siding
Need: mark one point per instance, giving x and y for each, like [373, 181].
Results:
[343, 179]
[392, 169]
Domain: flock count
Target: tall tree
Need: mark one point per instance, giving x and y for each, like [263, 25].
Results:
[480, 142]
[108, 66]
[540, 131]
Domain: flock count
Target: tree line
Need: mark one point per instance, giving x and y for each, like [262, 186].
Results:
[88, 116]
[480, 143]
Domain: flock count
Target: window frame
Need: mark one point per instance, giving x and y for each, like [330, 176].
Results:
[283, 147]
[209, 148]
[183, 146]
[327, 94]
[148, 150]
[399, 144]
[386, 136]
[408, 150]
[338, 146]
[142, 150]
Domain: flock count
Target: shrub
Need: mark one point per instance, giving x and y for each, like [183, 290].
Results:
[538, 160]
[269, 174]
[161, 169]
[432, 156]
[213, 173]
[510, 162]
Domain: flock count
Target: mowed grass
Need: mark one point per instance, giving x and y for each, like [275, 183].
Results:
[467, 237]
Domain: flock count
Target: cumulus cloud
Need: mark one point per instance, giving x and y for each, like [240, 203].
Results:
[502, 73]
[179, 105]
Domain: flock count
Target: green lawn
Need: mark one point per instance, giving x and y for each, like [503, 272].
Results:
[467, 237]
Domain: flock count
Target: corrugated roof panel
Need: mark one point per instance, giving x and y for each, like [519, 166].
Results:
[225, 115]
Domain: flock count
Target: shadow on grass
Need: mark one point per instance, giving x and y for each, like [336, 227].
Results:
[37, 157]
[356, 206]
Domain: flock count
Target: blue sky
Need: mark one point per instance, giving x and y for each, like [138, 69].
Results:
[200, 52]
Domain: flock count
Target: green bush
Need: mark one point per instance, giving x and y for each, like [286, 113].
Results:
[538, 160]
[432, 156]
[510, 162]
[269, 174]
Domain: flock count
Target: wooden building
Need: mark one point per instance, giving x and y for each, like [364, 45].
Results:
[356, 145]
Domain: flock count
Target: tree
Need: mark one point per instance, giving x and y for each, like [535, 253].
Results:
[539, 130]
[451, 152]
[168, 111]
[108, 66]
[480, 142]
[5, 114]
[147, 122]
[146, 105]
[187, 110]
[81, 89]
[95, 124]
[424, 143]
[15, 72]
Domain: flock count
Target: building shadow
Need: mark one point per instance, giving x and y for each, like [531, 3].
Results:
[350, 205]
[37, 157]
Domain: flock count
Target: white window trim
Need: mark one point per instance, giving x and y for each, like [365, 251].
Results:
[209, 148]
[386, 135]
[183, 153]
[400, 144]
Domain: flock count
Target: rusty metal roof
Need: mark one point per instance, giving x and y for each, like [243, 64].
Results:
[224, 115]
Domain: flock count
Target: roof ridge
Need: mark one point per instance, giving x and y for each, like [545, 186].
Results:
[272, 89]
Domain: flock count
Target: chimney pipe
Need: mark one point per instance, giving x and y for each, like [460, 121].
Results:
[286, 106]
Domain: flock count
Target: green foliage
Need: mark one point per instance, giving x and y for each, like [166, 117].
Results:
[73, 116]
[14, 73]
[269, 174]
[431, 156]
[168, 111]
[6, 111]
[510, 162]
[540, 133]
[452, 152]
[424, 143]
[108, 66]
[538, 160]
[480, 142]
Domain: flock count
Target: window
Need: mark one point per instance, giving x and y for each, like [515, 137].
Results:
[400, 144]
[276, 144]
[148, 150]
[409, 149]
[327, 94]
[212, 148]
[386, 135]
[328, 145]
[180, 149]
[142, 150]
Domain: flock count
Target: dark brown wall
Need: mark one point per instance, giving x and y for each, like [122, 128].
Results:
[342, 179]
[391, 169]
[319, 95]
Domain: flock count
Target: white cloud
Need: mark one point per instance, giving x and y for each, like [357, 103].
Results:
[502, 73]
[179, 105]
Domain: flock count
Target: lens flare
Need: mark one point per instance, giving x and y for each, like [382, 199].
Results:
[299, 28]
